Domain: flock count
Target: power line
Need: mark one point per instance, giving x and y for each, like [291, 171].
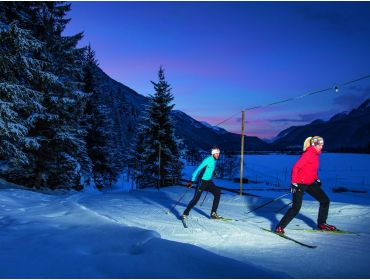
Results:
[353, 81]
[336, 88]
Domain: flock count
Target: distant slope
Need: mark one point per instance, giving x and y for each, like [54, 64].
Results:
[198, 135]
[343, 132]
[126, 106]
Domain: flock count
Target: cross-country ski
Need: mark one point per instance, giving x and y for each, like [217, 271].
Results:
[290, 238]
[337, 231]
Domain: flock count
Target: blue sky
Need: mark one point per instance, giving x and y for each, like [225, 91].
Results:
[222, 57]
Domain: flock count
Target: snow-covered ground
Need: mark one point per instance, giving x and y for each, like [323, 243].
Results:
[129, 235]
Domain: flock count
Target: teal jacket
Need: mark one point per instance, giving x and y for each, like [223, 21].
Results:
[209, 163]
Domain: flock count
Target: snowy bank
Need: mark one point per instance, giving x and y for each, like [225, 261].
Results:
[54, 236]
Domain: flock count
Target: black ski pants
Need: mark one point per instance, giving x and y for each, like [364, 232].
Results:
[205, 185]
[316, 192]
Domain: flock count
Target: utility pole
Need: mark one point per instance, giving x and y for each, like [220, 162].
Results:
[159, 165]
[242, 156]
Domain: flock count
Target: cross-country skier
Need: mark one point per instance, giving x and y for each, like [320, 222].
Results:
[305, 179]
[206, 170]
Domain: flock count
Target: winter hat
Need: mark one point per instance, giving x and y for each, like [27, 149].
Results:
[215, 151]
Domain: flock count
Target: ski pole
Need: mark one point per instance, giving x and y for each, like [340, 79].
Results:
[203, 199]
[277, 211]
[173, 207]
[268, 202]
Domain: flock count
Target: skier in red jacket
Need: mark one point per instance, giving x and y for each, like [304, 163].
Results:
[305, 179]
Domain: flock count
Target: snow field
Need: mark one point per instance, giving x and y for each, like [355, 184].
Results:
[120, 234]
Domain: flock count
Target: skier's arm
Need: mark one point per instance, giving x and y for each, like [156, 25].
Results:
[200, 167]
[298, 166]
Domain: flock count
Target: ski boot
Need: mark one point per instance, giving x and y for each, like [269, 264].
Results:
[279, 230]
[184, 217]
[215, 216]
[325, 226]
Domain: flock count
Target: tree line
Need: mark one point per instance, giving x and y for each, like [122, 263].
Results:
[55, 130]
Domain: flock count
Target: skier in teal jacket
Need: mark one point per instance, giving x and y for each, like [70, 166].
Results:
[205, 171]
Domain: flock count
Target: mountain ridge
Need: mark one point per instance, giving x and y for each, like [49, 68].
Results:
[126, 106]
[345, 131]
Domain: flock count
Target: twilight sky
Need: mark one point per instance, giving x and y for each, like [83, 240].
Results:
[223, 57]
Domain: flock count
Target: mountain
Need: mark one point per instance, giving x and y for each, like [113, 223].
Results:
[347, 131]
[126, 106]
[200, 136]
[217, 129]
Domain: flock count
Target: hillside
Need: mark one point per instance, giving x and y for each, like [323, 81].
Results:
[126, 107]
[343, 132]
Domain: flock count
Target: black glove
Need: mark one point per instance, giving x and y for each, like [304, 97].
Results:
[215, 174]
[294, 187]
[189, 184]
[318, 182]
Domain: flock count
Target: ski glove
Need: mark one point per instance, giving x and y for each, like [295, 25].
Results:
[189, 184]
[318, 182]
[294, 187]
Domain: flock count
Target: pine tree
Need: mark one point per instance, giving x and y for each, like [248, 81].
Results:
[156, 151]
[99, 127]
[20, 99]
[68, 103]
[116, 104]
[61, 159]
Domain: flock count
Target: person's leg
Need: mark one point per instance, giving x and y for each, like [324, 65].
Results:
[294, 210]
[196, 197]
[316, 192]
[212, 188]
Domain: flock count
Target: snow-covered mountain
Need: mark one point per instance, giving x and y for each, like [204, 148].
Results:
[126, 106]
[345, 131]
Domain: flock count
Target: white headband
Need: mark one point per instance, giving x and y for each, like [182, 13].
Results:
[215, 151]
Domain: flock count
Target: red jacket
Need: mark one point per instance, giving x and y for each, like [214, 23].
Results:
[305, 169]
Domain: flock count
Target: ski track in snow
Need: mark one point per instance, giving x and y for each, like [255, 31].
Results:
[245, 241]
[239, 240]
[115, 234]
[80, 235]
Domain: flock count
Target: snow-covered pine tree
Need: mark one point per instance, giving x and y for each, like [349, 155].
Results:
[99, 127]
[89, 71]
[156, 152]
[136, 158]
[21, 73]
[115, 104]
[61, 160]
[123, 110]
